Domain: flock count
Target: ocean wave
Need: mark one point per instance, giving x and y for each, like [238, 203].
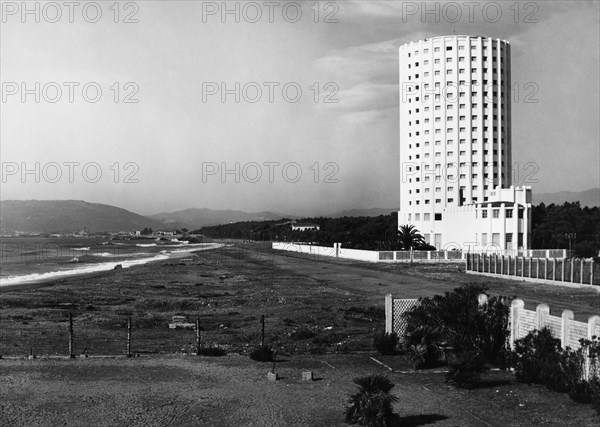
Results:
[102, 266]
[90, 268]
[81, 249]
[146, 245]
[103, 254]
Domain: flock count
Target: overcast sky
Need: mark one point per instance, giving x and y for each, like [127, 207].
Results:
[180, 133]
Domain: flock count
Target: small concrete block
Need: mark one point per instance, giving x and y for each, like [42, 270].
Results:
[307, 376]
[272, 376]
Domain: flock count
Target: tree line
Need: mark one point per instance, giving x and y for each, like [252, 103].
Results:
[551, 227]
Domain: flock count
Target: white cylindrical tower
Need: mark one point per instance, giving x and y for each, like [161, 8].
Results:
[455, 134]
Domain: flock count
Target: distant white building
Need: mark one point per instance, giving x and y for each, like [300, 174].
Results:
[303, 226]
[455, 145]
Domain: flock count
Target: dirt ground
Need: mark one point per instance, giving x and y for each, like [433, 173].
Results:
[320, 315]
[234, 391]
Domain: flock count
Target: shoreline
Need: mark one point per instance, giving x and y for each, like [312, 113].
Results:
[53, 281]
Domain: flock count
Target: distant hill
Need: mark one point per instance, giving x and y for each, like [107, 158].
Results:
[63, 216]
[365, 212]
[585, 198]
[204, 217]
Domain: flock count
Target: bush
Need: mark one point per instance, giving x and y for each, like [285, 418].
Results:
[585, 249]
[371, 405]
[302, 334]
[262, 354]
[457, 320]
[537, 359]
[212, 351]
[386, 343]
[421, 347]
[466, 370]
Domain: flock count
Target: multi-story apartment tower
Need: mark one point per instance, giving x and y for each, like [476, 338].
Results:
[455, 141]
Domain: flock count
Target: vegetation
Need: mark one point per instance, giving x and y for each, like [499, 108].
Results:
[386, 343]
[410, 238]
[552, 224]
[371, 405]
[456, 320]
[372, 233]
[539, 358]
[212, 351]
[262, 354]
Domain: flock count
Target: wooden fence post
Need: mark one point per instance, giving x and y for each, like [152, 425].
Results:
[581, 264]
[562, 270]
[389, 314]
[530, 262]
[71, 339]
[501, 264]
[554, 269]
[537, 268]
[572, 269]
[129, 337]
[198, 335]
[545, 268]
[262, 334]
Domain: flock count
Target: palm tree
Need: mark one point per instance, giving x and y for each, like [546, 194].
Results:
[410, 237]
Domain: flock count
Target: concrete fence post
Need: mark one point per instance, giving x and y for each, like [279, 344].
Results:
[515, 307]
[502, 264]
[581, 265]
[530, 261]
[554, 269]
[482, 299]
[545, 268]
[565, 331]
[592, 272]
[537, 268]
[508, 266]
[389, 314]
[515, 271]
[542, 311]
[572, 269]
[562, 270]
[522, 266]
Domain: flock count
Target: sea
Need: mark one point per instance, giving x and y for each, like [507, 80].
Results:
[25, 260]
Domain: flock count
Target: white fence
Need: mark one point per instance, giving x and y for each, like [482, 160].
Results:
[570, 272]
[371, 256]
[338, 251]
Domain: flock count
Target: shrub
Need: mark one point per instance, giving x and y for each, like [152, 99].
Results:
[457, 320]
[466, 369]
[262, 354]
[536, 357]
[539, 358]
[385, 343]
[585, 249]
[302, 334]
[421, 347]
[371, 405]
[212, 351]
